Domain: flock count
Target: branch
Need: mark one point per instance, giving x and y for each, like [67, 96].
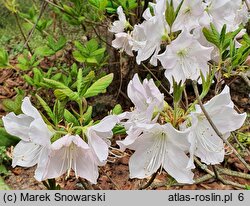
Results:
[215, 128]
[151, 180]
[43, 6]
[21, 30]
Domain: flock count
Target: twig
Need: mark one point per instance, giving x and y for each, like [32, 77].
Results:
[247, 4]
[33, 24]
[219, 177]
[157, 80]
[120, 85]
[233, 173]
[99, 37]
[197, 181]
[245, 78]
[21, 30]
[215, 128]
[216, 174]
[43, 6]
[151, 180]
[111, 180]
[186, 97]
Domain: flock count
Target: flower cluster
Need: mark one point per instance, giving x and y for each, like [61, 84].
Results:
[68, 152]
[158, 144]
[179, 45]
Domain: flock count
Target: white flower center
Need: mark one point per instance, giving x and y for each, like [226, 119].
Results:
[70, 154]
[182, 53]
[156, 154]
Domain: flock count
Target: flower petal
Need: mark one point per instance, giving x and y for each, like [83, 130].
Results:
[42, 164]
[176, 162]
[85, 166]
[39, 132]
[99, 147]
[146, 160]
[29, 109]
[17, 125]
[228, 120]
[26, 154]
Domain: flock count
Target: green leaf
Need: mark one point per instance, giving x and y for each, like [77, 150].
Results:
[223, 34]
[4, 58]
[56, 46]
[98, 52]
[3, 185]
[86, 82]
[38, 76]
[119, 129]
[61, 91]
[99, 86]
[87, 115]
[58, 110]
[170, 13]
[178, 90]
[70, 118]
[13, 105]
[6, 139]
[211, 37]
[207, 82]
[117, 109]
[79, 81]
[92, 45]
[44, 51]
[46, 108]
[28, 79]
[78, 56]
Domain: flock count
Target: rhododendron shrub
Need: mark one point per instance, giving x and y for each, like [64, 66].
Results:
[197, 40]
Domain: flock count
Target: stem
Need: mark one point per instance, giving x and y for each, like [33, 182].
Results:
[226, 182]
[21, 30]
[215, 128]
[186, 97]
[151, 180]
[157, 80]
[43, 6]
[233, 173]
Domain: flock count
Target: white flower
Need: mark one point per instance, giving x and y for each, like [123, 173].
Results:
[185, 58]
[161, 146]
[154, 27]
[98, 138]
[123, 41]
[71, 152]
[188, 17]
[147, 100]
[35, 137]
[223, 12]
[119, 25]
[144, 94]
[206, 144]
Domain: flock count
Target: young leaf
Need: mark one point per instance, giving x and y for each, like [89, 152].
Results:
[86, 82]
[46, 108]
[87, 115]
[211, 37]
[79, 81]
[99, 86]
[4, 58]
[117, 109]
[6, 139]
[70, 118]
